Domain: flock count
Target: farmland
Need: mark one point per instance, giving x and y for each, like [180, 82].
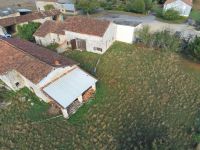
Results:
[145, 99]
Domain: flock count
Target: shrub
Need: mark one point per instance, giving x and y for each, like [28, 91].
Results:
[148, 4]
[26, 31]
[49, 7]
[164, 40]
[88, 6]
[171, 14]
[53, 46]
[194, 47]
[137, 6]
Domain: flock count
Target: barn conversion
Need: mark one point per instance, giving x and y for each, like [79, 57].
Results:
[51, 77]
[184, 7]
[82, 33]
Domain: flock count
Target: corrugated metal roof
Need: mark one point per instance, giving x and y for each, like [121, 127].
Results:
[69, 7]
[70, 86]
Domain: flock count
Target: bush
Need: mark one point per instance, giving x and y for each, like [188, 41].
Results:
[26, 31]
[164, 40]
[171, 14]
[53, 46]
[49, 7]
[137, 6]
[148, 4]
[88, 6]
[194, 48]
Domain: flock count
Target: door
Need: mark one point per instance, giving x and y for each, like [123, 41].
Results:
[73, 44]
[81, 44]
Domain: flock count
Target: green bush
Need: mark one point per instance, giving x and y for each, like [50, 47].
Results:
[26, 31]
[148, 4]
[88, 6]
[171, 14]
[49, 7]
[137, 6]
[163, 40]
[53, 46]
[194, 48]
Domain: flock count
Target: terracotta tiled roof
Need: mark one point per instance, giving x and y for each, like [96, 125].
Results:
[50, 27]
[32, 61]
[86, 25]
[189, 2]
[83, 25]
[29, 17]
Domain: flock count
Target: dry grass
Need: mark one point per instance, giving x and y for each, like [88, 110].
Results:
[145, 99]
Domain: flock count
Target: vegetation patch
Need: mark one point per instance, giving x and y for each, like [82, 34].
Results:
[26, 31]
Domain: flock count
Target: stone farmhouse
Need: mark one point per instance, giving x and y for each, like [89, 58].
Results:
[65, 6]
[184, 7]
[81, 33]
[53, 78]
[8, 25]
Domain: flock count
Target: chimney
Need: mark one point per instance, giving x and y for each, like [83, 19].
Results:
[57, 63]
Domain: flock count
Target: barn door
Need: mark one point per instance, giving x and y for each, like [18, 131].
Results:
[81, 44]
[73, 44]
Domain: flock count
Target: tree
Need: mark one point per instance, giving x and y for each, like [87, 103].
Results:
[88, 6]
[26, 31]
[49, 7]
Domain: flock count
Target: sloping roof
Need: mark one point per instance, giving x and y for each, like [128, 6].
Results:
[70, 86]
[32, 61]
[189, 2]
[83, 25]
[50, 27]
[29, 17]
[87, 25]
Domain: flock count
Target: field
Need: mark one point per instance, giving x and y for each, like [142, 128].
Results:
[146, 99]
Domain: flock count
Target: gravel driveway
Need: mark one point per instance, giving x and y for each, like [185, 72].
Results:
[128, 18]
[154, 24]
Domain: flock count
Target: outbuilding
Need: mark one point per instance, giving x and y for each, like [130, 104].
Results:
[53, 78]
[184, 7]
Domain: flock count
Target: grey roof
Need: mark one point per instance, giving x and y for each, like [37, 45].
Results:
[128, 23]
[7, 11]
[69, 87]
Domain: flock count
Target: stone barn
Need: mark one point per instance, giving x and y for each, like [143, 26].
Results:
[53, 78]
[82, 33]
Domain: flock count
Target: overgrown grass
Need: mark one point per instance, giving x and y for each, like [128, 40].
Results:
[195, 15]
[145, 99]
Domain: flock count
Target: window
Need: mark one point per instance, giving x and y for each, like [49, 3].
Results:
[98, 49]
[17, 84]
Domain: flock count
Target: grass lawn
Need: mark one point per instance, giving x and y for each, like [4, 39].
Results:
[145, 99]
[195, 14]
